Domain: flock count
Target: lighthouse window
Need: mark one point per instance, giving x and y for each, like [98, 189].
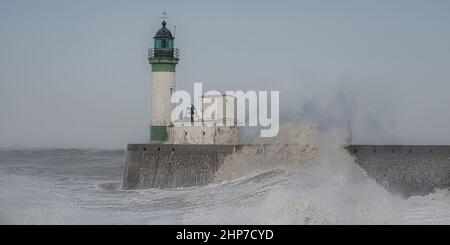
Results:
[203, 133]
[157, 43]
[163, 44]
[185, 133]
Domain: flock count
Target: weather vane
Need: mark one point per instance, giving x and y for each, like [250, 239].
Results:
[164, 15]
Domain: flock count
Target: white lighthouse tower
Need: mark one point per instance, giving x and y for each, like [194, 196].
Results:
[163, 58]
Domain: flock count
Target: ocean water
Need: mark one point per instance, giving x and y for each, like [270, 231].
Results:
[322, 185]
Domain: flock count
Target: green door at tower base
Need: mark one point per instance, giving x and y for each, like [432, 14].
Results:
[158, 133]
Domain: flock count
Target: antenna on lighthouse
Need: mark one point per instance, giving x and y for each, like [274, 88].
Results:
[174, 36]
[164, 15]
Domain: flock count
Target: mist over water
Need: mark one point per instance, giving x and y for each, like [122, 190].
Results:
[312, 180]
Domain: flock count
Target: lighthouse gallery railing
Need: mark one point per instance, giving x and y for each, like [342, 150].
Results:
[164, 53]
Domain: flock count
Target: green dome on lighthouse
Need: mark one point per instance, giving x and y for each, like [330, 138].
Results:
[164, 32]
[163, 38]
[163, 56]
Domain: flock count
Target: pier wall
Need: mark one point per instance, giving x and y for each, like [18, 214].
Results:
[409, 170]
[406, 169]
[171, 166]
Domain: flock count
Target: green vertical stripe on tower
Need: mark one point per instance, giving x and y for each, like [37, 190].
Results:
[158, 133]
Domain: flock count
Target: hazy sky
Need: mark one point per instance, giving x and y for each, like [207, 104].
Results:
[74, 73]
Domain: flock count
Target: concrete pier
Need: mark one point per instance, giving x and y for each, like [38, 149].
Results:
[406, 169]
[170, 166]
[409, 170]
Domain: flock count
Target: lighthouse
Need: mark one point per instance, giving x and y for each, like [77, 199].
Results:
[163, 58]
[220, 129]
